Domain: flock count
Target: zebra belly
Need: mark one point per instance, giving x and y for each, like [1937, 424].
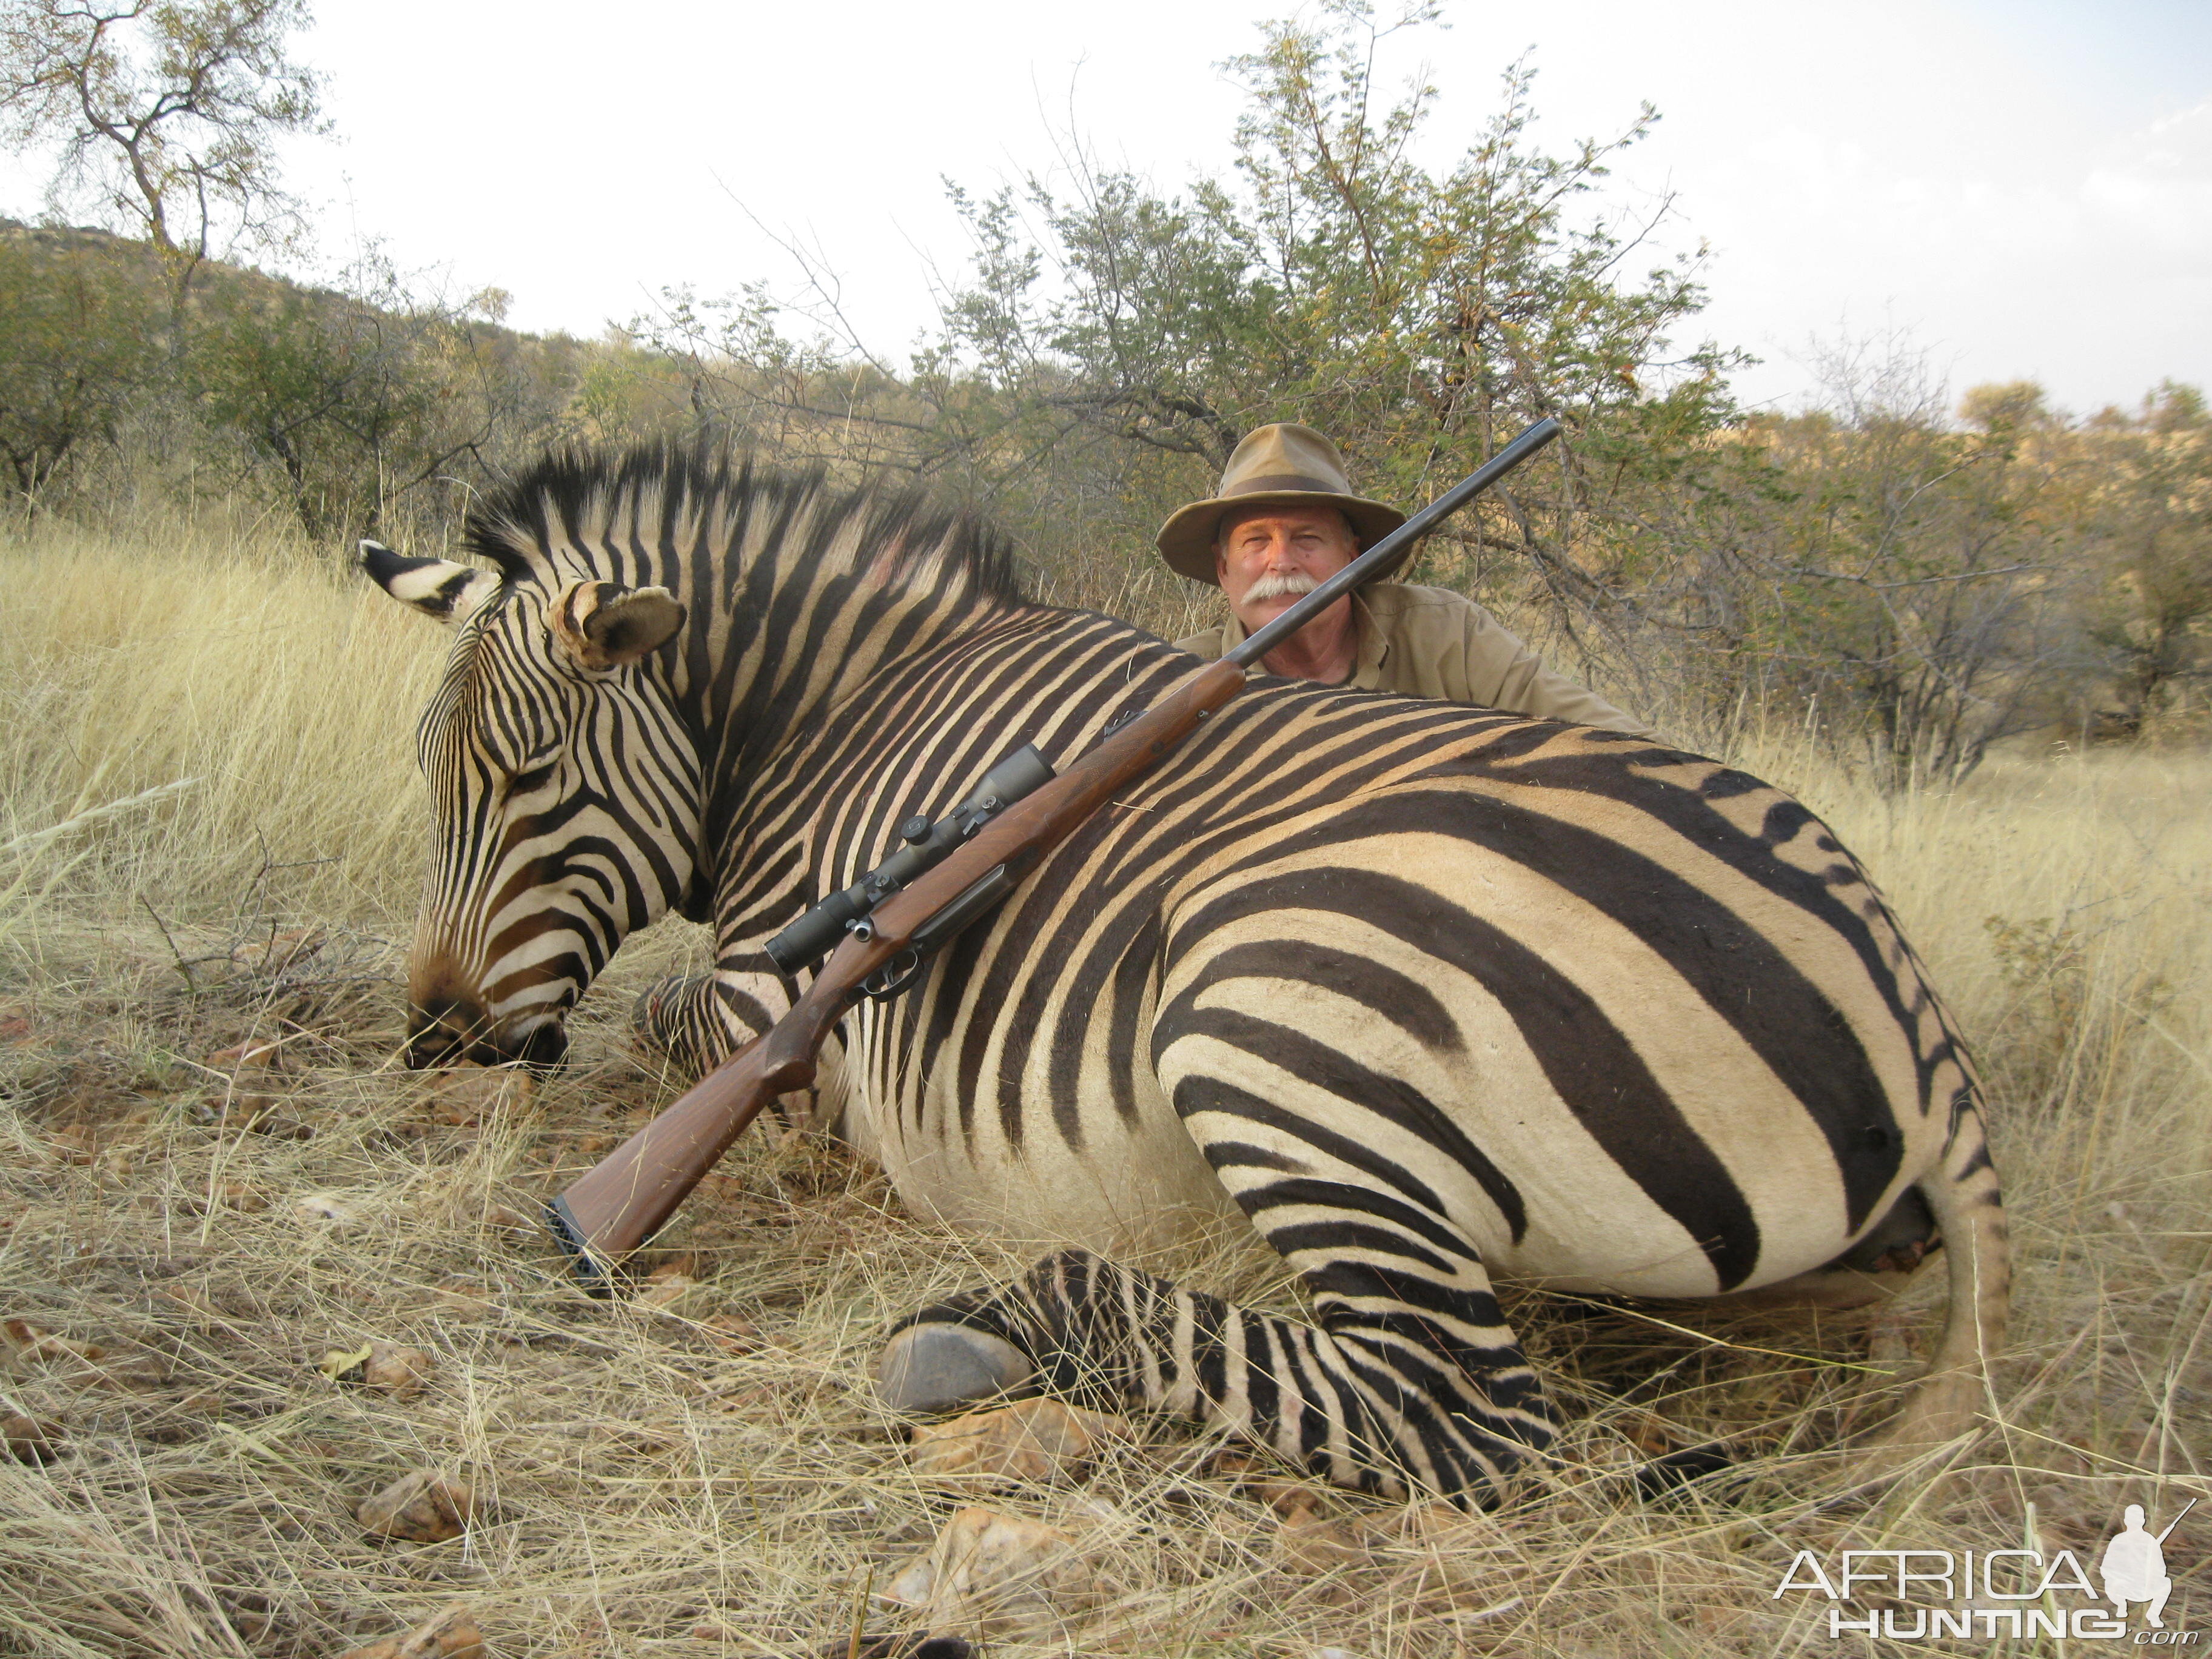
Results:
[1595, 1064]
[1636, 1142]
[1130, 1187]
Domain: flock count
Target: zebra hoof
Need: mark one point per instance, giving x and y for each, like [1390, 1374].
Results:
[927, 1368]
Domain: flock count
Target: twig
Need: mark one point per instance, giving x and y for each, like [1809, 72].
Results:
[184, 968]
[860, 1613]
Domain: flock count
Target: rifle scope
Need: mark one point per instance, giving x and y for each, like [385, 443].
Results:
[815, 934]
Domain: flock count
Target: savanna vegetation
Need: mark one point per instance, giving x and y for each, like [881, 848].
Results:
[1914, 577]
[1927, 615]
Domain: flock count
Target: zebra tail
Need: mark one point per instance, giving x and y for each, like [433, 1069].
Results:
[1946, 1402]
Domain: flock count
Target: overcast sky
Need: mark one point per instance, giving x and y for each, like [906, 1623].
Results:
[2023, 186]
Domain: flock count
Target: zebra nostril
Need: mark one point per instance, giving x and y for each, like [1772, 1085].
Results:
[427, 1050]
[439, 1031]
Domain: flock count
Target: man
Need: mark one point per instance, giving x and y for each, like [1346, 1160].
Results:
[2134, 1569]
[1284, 519]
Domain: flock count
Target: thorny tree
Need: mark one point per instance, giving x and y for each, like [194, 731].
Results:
[1113, 342]
[165, 115]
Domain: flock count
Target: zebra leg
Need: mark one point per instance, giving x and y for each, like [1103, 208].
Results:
[1379, 1397]
[700, 1020]
[669, 1015]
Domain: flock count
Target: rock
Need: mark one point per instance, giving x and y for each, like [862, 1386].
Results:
[993, 1573]
[732, 1335]
[458, 1296]
[452, 1635]
[257, 1054]
[460, 1097]
[386, 1367]
[195, 1301]
[1030, 1440]
[239, 1195]
[667, 1292]
[910, 1585]
[324, 1209]
[1308, 1542]
[33, 1439]
[35, 1344]
[424, 1507]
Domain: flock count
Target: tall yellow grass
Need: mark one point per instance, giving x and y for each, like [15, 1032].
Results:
[183, 710]
[199, 727]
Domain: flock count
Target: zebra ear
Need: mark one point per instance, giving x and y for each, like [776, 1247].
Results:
[437, 588]
[604, 625]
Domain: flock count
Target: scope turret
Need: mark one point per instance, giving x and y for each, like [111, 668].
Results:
[815, 934]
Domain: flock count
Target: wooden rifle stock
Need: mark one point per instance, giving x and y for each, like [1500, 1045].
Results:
[630, 1194]
[627, 1197]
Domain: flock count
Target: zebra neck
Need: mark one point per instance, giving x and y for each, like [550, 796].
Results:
[916, 735]
[792, 639]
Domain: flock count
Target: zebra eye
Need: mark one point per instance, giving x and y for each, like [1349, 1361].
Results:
[536, 777]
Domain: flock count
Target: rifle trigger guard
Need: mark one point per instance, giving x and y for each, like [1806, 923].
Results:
[894, 976]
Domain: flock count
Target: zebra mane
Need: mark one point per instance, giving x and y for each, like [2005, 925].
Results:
[647, 487]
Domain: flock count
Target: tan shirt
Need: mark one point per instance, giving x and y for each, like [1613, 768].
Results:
[1430, 642]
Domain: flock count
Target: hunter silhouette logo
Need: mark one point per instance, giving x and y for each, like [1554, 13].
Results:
[2020, 1594]
[2134, 1567]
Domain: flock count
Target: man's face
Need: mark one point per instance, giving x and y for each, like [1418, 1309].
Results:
[1266, 557]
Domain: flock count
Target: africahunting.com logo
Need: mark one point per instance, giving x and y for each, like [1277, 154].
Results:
[1921, 1593]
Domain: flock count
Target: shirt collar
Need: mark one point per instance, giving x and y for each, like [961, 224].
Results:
[1374, 643]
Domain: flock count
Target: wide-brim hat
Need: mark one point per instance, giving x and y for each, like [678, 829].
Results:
[1279, 465]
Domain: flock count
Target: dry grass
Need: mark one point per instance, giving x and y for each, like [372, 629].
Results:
[656, 1484]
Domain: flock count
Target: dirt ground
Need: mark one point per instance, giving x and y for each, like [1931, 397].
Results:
[191, 1227]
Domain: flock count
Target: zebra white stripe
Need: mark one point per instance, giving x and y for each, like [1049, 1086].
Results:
[1427, 993]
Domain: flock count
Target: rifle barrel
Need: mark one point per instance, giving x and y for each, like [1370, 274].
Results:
[1387, 552]
[624, 1200]
[2177, 1521]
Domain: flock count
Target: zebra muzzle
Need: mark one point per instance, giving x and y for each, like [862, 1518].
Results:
[449, 1031]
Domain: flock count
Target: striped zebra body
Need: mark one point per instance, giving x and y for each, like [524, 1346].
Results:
[1429, 993]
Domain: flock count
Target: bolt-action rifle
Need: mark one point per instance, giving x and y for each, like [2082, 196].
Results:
[887, 925]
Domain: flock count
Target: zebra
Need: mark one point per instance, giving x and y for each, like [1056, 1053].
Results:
[1424, 993]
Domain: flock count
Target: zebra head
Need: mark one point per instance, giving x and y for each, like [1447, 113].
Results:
[566, 793]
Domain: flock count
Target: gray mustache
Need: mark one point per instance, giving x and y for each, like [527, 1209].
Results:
[1277, 582]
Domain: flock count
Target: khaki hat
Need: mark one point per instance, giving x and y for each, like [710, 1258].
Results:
[1281, 465]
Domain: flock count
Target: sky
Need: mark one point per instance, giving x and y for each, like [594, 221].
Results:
[2009, 189]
